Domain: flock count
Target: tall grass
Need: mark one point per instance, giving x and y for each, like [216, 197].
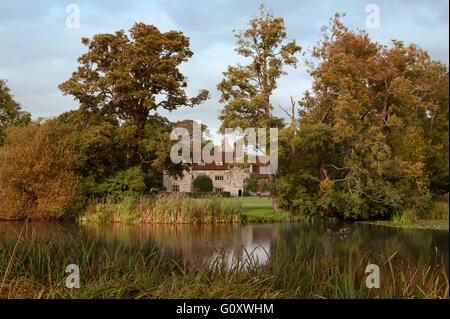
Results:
[37, 270]
[407, 216]
[439, 210]
[165, 208]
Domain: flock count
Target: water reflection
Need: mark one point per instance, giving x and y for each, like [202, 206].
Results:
[196, 242]
[249, 243]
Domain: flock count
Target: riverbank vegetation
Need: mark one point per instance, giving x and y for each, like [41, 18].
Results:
[36, 179]
[368, 141]
[165, 209]
[434, 218]
[260, 210]
[179, 208]
[34, 269]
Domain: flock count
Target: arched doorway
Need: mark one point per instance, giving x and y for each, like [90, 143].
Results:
[240, 192]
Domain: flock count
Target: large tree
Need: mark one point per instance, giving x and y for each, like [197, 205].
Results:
[103, 156]
[371, 126]
[133, 76]
[122, 83]
[246, 89]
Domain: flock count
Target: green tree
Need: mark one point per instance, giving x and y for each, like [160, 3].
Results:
[203, 183]
[252, 185]
[103, 156]
[10, 111]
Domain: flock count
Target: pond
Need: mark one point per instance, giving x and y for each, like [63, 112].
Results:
[195, 243]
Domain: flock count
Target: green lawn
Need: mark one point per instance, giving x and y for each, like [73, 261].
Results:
[259, 210]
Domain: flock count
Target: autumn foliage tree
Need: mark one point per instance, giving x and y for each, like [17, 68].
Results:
[35, 176]
[371, 129]
[246, 89]
[122, 83]
[132, 77]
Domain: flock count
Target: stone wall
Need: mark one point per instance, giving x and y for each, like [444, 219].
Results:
[233, 180]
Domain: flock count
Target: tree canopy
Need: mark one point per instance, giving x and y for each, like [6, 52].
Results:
[130, 76]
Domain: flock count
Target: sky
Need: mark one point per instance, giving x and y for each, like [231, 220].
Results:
[38, 51]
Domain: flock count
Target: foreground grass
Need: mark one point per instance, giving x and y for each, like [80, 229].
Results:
[437, 217]
[35, 269]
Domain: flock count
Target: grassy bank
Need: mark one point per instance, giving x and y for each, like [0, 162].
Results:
[437, 217]
[165, 209]
[260, 210]
[33, 269]
[179, 208]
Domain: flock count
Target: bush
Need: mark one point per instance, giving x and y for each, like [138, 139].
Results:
[203, 183]
[122, 184]
[36, 179]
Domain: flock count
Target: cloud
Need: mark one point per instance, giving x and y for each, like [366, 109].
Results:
[38, 52]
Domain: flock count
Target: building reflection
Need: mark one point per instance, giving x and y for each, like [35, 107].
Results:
[241, 245]
[193, 243]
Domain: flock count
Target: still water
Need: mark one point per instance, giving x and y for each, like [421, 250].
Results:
[194, 243]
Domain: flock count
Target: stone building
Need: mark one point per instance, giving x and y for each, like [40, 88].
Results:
[225, 177]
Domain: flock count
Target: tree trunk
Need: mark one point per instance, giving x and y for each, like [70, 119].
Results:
[275, 201]
[322, 169]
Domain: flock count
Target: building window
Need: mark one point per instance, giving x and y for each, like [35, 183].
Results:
[219, 178]
[247, 170]
[219, 189]
[175, 188]
[245, 180]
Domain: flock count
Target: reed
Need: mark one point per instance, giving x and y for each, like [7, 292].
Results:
[165, 209]
[116, 271]
[439, 210]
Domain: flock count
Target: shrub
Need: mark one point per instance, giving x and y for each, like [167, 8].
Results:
[122, 184]
[203, 183]
[35, 176]
[252, 184]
